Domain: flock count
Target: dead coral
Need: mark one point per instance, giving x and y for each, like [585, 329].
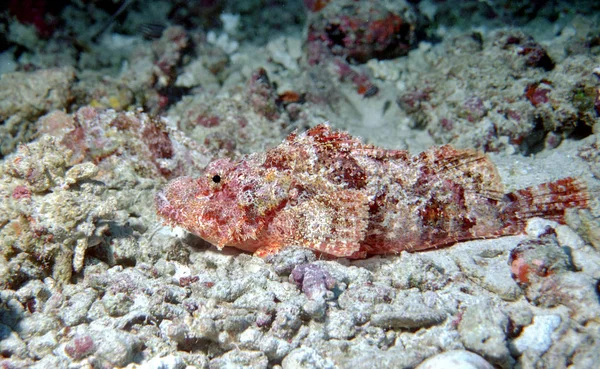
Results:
[116, 141]
[24, 97]
[237, 120]
[474, 104]
[51, 215]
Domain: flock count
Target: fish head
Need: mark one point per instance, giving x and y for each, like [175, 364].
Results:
[229, 205]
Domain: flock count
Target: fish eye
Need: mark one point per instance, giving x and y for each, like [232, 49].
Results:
[216, 178]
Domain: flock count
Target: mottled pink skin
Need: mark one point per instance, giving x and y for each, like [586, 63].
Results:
[211, 211]
[327, 191]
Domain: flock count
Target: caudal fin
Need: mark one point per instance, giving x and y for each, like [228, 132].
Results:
[548, 200]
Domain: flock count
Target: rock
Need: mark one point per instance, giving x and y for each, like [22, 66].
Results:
[279, 53]
[285, 261]
[81, 172]
[256, 299]
[34, 294]
[340, 324]
[482, 330]
[409, 310]
[534, 259]
[117, 304]
[536, 337]
[81, 346]
[306, 358]
[588, 261]
[362, 299]
[315, 309]
[240, 359]
[361, 355]
[77, 307]
[455, 359]
[37, 324]
[11, 344]
[167, 362]
[49, 361]
[274, 348]
[419, 271]
[204, 328]
[404, 319]
[12, 309]
[41, 346]
[489, 269]
[30, 95]
[175, 332]
[115, 347]
[53, 223]
[576, 291]
[96, 311]
[287, 320]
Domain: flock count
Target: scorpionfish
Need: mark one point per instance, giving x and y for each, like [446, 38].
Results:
[327, 191]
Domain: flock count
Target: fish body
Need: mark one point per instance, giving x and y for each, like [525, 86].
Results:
[327, 191]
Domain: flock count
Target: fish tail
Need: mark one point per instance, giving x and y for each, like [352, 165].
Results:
[548, 200]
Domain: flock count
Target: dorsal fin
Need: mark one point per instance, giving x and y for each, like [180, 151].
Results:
[340, 140]
[323, 134]
[470, 168]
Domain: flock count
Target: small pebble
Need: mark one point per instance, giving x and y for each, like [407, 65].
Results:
[455, 359]
[81, 172]
[537, 337]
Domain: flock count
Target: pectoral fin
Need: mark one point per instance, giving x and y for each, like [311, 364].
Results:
[333, 223]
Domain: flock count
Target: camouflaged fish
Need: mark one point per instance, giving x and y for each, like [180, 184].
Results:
[327, 191]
